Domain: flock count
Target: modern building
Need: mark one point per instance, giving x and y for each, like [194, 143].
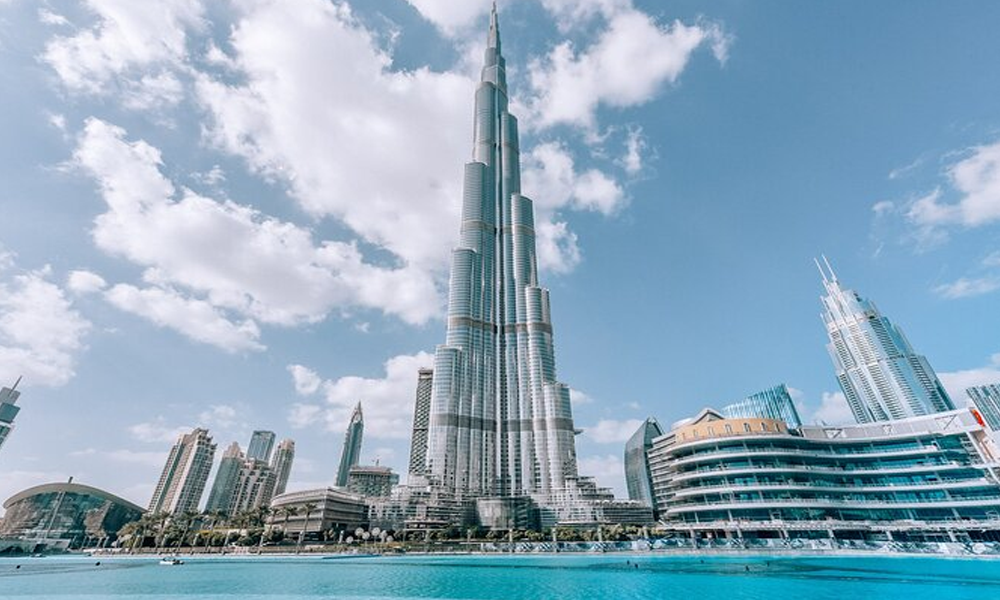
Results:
[986, 399]
[882, 376]
[351, 454]
[261, 443]
[65, 515]
[255, 485]
[929, 478]
[8, 410]
[638, 477]
[500, 420]
[772, 403]
[371, 481]
[314, 513]
[220, 499]
[184, 475]
[282, 465]
[421, 420]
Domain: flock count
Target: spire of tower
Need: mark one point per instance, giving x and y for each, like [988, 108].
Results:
[821, 271]
[493, 41]
[833, 274]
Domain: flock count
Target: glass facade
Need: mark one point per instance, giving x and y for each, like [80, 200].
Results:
[882, 377]
[351, 454]
[371, 481]
[220, 499]
[261, 443]
[939, 468]
[638, 478]
[8, 410]
[772, 403]
[66, 515]
[986, 399]
[421, 419]
[282, 465]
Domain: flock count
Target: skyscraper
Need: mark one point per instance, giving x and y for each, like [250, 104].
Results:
[638, 476]
[986, 399]
[282, 465]
[221, 497]
[184, 475]
[351, 454]
[772, 403]
[500, 421]
[8, 410]
[261, 443]
[255, 484]
[421, 418]
[882, 377]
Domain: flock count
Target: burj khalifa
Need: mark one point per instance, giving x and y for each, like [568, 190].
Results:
[500, 421]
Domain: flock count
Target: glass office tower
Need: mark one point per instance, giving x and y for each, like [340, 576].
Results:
[221, 497]
[638, 478]
[351, 454]
[261, 443]
[184, 475]
[282, 465]
[882, 377]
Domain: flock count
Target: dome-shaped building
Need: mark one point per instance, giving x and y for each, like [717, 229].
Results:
[65, 515]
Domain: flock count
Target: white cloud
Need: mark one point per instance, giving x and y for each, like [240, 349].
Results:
[49, 17]
[41, 333]
[635, 147]
[305, 415]
[140, 457]
[611, 431]
[976, 181]
[387, 402]
[608, 470]
[550, 174]
[157, 431]
[220, 416]
[306, 380]
[131, 50]
[956, 382]
[631, 60]
[578, 398]
[452, 16]
[85, 282]
[833, 409]
[392, 178]
[992, 260]
[196, 319]
[965, 287]
[209, 260]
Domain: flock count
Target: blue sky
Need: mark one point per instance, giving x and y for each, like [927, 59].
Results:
[238, 214]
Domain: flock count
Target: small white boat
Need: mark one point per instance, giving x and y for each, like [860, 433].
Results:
[171, 561]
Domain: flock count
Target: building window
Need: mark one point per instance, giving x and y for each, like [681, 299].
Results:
[746, 427]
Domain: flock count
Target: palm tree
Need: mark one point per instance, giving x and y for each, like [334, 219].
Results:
[308, 507]
[287, 511]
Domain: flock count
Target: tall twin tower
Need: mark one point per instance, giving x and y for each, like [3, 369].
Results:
[499, 424]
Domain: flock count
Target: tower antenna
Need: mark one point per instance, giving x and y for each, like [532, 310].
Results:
[821, 271]
[833, 274]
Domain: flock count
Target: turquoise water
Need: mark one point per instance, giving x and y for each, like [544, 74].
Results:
[506, 577]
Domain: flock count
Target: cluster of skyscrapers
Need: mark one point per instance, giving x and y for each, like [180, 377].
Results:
[913, 468]
[242, 482]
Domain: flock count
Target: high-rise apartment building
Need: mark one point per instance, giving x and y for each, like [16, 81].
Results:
[421, 419]
[8, 410]
[882, 377]
[254, 486]
[261, 443]
[282, 465]
[221, 497]
[184, 475]
[986, 399]
[772, 403]
[638, 477]
[351, 454]
[500, 421]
